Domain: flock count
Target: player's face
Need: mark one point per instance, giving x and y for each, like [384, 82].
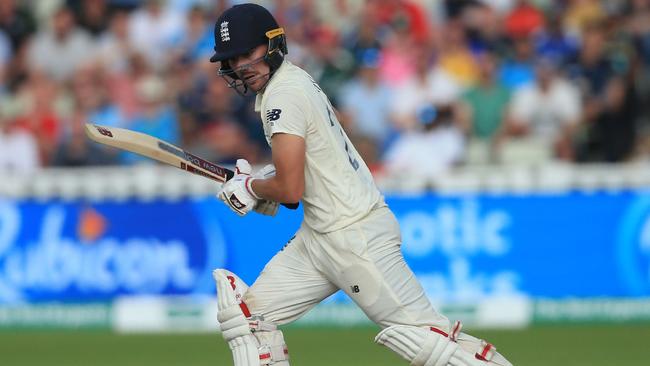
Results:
[251, 68]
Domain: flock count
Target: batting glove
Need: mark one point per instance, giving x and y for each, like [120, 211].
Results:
[266, 207]
[237, 193]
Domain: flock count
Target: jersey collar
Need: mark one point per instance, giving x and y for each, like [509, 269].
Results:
[260, 97]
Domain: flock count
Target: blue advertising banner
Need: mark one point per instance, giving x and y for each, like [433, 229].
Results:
[94, 251]
[542, 246]
[462, 247]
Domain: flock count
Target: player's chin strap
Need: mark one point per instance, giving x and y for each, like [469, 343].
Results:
[434, 347]
[253, 341]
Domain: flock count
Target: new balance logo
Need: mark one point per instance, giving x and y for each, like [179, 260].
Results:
[355, 289]
[273, 114]
[225, 33]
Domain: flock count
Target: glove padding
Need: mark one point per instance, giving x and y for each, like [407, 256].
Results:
[266, 207]
[237, 192]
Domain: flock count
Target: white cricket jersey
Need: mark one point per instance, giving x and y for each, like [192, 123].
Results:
[339, 189]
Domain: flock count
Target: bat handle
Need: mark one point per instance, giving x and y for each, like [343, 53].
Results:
[291, 206]
[229, 174]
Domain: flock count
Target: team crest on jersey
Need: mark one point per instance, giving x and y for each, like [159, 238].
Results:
[225, 32]
[273, 115]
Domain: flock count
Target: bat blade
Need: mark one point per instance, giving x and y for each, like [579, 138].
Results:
[151, 147]
[156, 149]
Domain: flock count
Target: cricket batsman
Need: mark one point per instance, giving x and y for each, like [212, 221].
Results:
[349, 239]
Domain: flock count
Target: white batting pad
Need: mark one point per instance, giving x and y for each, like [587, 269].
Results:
[423, 347]
[245, 351]
[273, 350]
[231, 316]
[230, 288]
[483, 349]
[419, 346]
[252, 341]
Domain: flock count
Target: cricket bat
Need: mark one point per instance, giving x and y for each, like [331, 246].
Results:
[162, 151]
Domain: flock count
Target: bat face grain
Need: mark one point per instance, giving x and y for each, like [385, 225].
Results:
[162, 151]
[156, 149]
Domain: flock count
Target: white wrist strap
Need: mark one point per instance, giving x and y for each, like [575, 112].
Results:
[249, 188]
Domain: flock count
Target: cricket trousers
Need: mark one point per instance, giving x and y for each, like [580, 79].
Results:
[363, 259]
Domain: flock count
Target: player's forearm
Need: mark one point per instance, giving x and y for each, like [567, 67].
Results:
[278, 190]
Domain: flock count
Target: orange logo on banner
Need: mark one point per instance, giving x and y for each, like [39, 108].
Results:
[91, 225]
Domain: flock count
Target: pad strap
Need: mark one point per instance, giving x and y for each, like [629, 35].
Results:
[485, 350]
[273, 350]
[419, 346]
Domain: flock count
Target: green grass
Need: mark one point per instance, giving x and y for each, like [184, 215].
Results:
[593, 345]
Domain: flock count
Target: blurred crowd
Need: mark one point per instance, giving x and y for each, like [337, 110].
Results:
[420, 85]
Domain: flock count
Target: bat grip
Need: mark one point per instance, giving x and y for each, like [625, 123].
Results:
[291, 206]
[229, 174]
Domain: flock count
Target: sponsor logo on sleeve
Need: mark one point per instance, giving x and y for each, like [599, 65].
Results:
[273, 115]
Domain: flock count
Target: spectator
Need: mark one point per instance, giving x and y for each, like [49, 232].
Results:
[17, 22]
[429, 85]
[555, 43]
[543, 117]
[502, 7]
[340, 14]
[44, 106]
[592, 69]
[225, 143]
[397, 64]
[5, 58]
[456, 57]
[365, 35]
[425, 154]
[156, 118]
[333, 64]
[524, 20]
[123, 85]
[483, 27]
[93, 16]
[406, 15]
[90, 91]
[221, 126]
[455, 9]
[183, 6]
[580, 14]
[518, 70]
[153, 30]
[18, 148]
[210, 100]
[115, 46]
[369, 150]
[77, 150]
[425, 59]
[197, 39]
[611, 136]
[60, 50]
[486, 105]
[638, 25]
[234, 115]
[365, 102]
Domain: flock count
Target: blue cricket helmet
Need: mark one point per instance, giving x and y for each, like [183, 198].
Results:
[243, 27]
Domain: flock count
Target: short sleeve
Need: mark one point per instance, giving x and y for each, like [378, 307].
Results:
[286, 112]
[568, 105]
[522, 107]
